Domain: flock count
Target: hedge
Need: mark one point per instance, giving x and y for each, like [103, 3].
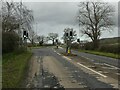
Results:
[9, 41]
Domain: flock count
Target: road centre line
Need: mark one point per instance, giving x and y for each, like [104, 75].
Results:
[58, 53]
[103, 63]
[55, 51]
[111, 66]
[60, 47]
[92, 70]
[87, 68]
[86, 57]
[66, 57]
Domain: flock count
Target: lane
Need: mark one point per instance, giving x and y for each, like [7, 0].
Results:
[54, 66]
[107, 68]
[100, 69]
[77, 73]
[80, 75]
[96, 58]
[42, 78]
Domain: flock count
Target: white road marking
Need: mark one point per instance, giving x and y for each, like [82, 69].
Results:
[87, 58]
[92, 70]
[60, 47]
[54, 51]
[111, 66]
[118, 73]
[103, 63]
[66, 57]
[58, 53]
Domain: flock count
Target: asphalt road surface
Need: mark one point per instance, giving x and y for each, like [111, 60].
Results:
[97, 58]
[59, 71]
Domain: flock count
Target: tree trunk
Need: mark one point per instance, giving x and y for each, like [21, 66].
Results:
[32, 42]
[95, 44]
[53, 42]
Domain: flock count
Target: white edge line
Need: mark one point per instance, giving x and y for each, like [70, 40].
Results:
[92, 70]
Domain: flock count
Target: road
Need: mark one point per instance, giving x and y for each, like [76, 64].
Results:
[58, 71]
[97, 58]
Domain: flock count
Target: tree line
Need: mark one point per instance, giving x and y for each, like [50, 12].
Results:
[93, 19]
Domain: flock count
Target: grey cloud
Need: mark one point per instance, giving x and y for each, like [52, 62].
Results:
[55, 16]
[55, 13]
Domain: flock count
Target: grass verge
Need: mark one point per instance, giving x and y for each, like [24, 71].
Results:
[13, 69]
[112, 55]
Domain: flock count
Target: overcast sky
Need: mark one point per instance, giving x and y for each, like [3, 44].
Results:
[56, 16]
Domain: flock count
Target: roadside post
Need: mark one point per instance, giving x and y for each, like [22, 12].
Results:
[66, 35]
[71, 35]
[57, 43]
[25, 36]
[78, 40]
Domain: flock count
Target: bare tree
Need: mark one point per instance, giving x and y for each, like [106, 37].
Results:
[95, 17]
[52, 36]
[15, 15]
[68, 39]
[41, 39]
[32, 37]
[9, 17]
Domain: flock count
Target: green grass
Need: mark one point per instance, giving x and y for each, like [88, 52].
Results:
[13, 69]
[112, 55]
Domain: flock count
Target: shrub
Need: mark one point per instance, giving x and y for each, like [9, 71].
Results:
[112, 48]
[9, 41]
[20, 50]
[75, 46]
[89, 46]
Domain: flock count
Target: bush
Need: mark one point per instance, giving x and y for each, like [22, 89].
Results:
[75, 46]
[112, 48]
[9, 41]
[20, 50]
[89, 46]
